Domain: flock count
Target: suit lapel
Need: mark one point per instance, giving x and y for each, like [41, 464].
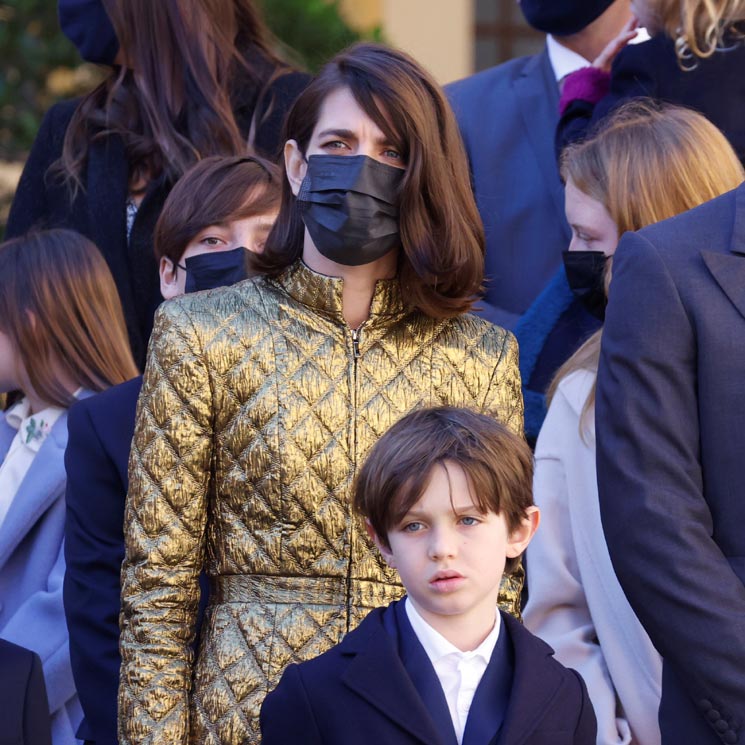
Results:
[43, 484]
[728, 269]
[534, 685]
[540, 117]
[423, 676]
[492, 696]
[377, 674]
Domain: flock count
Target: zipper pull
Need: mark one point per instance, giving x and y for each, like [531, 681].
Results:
[355, 343]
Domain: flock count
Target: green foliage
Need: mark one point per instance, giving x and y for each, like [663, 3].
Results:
[313, 29]
[32, 51]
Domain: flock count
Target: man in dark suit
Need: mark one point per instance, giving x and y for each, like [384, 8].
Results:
[670, 403]
[508, 116]
[211, 200]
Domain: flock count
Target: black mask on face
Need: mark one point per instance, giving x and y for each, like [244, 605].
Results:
[350, 206]
[585, 272]
[215, 269]
[562, 17]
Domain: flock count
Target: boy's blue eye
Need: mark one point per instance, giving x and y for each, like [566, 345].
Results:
[412, 527]
[468, 520]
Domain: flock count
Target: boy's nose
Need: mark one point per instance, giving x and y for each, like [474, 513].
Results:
[443, 544]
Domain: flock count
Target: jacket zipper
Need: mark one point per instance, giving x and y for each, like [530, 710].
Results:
[352, 522]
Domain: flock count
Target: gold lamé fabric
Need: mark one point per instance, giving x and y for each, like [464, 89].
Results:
[257, 408]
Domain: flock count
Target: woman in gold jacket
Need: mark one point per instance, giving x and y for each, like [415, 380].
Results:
[260, 401]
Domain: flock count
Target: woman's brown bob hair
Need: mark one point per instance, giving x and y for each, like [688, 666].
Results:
[441, 265]
[498, 464]
[216, 191]
[61, 310]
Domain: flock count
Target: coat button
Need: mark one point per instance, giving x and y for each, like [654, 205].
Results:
[712, 715]
[721, 726]
[704, 704]
[730, 738]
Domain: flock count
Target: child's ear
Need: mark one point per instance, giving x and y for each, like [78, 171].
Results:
[168, 282]
[295, 165]
[387, 555]
[520, 537]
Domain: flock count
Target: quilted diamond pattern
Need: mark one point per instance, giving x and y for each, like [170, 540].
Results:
[254, 416]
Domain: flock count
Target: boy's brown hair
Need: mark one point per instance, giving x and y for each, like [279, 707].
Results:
[497, 463]
[216, 191]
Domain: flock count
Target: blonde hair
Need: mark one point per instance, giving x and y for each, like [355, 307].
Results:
[61, 311]
[647, 162]
[699, 27]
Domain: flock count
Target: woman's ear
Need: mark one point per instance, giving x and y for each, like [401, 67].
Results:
[382, 547]
[168, 282]
[295, 165]
[520, 537]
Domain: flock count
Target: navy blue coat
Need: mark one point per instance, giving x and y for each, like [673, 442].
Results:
[100, 435]
[360, 691]
[671, 464]
[507, 117]
[24, 714]
[715, 88]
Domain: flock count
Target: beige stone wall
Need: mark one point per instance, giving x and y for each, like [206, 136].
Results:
[438, 33]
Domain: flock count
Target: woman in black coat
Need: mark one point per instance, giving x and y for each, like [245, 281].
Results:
[188, 80]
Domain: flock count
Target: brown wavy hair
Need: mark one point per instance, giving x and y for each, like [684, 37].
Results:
[498, 464]
[442, 263]
[60, 308]
[646, 163]
[215, 191]
[170, 100]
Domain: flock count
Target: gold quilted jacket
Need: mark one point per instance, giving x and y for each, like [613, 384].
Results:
[257, 407]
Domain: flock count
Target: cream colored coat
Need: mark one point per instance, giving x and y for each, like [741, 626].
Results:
[576, 603]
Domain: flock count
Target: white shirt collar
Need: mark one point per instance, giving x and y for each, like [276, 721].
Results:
[32, 428]
[437, 646]
[563, 61]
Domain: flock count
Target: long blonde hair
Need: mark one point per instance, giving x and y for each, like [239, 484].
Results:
[646, 163]
[60, 308]
[699, 27]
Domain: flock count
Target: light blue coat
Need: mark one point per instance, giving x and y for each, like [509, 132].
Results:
[32, 567]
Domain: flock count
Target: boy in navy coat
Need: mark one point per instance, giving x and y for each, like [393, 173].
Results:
[446, 496]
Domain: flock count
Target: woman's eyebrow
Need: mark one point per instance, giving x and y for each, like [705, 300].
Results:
[345, 134]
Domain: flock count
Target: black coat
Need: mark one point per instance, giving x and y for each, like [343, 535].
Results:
[24, 712]
[715, 88]
[99, 212]
[670, 403]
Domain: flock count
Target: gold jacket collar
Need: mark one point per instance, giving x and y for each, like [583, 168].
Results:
[324, 294]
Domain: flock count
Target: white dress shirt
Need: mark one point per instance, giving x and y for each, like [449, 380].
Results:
[32, 431]
[459, 672]
[564, 61]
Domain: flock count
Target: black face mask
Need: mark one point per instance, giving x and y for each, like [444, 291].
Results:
[215, 269]
[585, 272]
[350, 206]
[562, 17]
